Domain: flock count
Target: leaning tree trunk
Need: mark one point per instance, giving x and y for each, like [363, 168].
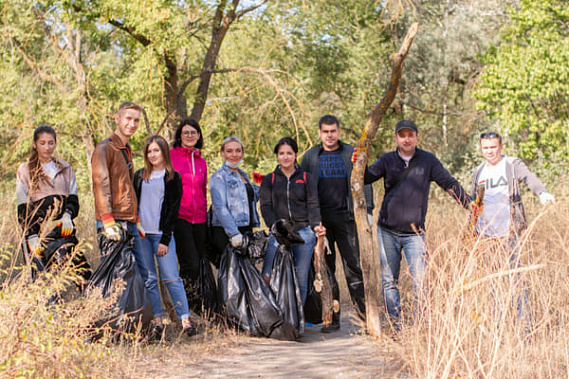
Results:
[369, 254]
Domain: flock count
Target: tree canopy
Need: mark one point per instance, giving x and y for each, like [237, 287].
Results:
[265, 69]
[524, 88]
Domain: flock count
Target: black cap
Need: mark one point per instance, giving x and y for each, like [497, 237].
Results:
[406, 124]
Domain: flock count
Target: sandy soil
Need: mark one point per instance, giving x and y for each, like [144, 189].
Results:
[347, 353]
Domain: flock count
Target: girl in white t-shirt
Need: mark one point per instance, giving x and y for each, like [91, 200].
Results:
[159, 190]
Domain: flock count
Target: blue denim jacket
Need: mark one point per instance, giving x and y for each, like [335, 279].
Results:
[229, 204]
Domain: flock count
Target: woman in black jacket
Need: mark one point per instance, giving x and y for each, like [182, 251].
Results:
[290, 193]
[159, 190]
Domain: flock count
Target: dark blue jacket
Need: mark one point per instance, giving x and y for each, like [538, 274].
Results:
[405, 204]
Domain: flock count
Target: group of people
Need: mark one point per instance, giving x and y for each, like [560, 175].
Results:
[164, 205]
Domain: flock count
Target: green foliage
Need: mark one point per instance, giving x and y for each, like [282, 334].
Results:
[442, 66]
[525, 85]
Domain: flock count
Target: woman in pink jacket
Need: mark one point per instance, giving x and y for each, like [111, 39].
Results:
[191, 229]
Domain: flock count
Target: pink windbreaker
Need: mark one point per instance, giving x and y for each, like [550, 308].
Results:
[193, 169]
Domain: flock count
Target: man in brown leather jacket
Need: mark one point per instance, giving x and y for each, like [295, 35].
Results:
[115, 198]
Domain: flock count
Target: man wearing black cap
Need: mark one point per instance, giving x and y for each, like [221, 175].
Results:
[407, 174]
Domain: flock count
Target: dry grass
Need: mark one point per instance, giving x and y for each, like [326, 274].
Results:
[471, 327]
[38, 339]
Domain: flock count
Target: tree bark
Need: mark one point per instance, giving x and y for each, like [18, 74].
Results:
[369, 255]
[175, 102]
[221, 23]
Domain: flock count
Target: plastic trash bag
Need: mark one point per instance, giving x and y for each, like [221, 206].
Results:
[202, 296]
[57, 251]
[256, 244]
[118, 268]
[283, 277]
[249, 303]
[313, 303]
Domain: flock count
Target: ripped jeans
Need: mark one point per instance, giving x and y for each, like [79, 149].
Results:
[168, 264]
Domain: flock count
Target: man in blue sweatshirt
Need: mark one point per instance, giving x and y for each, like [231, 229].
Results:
[330, 164]
[407, 174]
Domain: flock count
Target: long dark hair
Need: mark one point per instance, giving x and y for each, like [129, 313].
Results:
[178, 136]
[34, 166]
[163, 145]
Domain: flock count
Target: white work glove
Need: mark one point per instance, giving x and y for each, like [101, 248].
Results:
[370, 218]
[237, 240]
[35, 246]
[66, 224]
[545, 197]
[113, 232]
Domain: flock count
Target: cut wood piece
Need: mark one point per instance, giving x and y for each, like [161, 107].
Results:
[323, 281]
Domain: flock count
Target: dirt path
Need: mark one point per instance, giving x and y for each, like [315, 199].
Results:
[347, 353]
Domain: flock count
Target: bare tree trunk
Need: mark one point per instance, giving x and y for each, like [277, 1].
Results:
[175, 101]
[369, 254]
[220, 26]
[221, 23]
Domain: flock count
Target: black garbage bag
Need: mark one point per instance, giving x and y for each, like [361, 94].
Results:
[249, 303]
[285, 234]
[313, 303]
[118, 268]
[57, 252]
[255, 244]
[202, 295]
[283, 277]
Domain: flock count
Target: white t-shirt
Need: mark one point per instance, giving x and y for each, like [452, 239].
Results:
[495, 219]
[405, 159]
[151, 198]
[49, 169]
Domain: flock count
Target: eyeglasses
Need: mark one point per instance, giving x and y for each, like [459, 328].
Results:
[489, 135]
[190, 133]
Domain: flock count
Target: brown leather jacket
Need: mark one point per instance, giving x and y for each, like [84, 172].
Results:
[112, 181]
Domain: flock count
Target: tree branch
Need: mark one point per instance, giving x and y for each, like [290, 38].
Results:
[132, 31]
[242, 12]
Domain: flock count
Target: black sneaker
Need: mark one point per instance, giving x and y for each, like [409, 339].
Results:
[333, 327]
[190, 330]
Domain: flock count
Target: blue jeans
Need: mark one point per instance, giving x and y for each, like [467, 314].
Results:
[511, 246]
[138, 258]
[390, 246]
[168, 264]
[301, 254]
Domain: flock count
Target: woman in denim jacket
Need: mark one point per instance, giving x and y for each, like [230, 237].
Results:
[233, 198]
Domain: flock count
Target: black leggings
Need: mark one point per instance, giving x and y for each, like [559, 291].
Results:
[190, 247]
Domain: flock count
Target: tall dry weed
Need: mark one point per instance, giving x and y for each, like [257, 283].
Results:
[41, 337]
[473, 325]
